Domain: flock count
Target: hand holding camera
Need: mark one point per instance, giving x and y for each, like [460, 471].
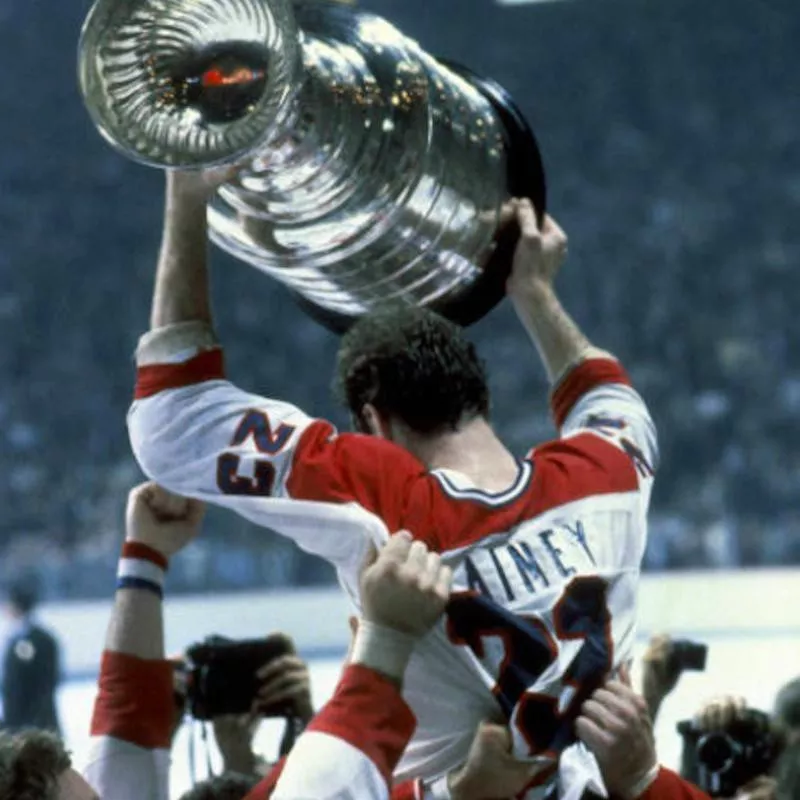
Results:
[664, 662]
[285, 683]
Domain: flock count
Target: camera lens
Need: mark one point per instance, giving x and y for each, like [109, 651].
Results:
[716, 752]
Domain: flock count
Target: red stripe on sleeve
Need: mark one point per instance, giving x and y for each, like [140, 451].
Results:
[368, 712]
[144, 553]
[135, 701]
[585, 377]
[207, 366]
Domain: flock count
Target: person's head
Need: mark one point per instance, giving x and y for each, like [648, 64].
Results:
[35, 766]
[787, 708]
[23, 597]
[230, 786]
[405, 372]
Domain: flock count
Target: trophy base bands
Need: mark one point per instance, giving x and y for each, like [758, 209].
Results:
[525, 178]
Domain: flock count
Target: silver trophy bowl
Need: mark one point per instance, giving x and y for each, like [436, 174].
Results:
[369, 172]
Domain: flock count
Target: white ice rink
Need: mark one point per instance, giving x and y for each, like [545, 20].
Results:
[753, 666]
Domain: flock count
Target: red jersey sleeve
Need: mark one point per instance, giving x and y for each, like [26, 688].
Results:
[351, 747]
[668, 785]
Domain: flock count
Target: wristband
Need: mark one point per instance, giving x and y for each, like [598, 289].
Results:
[383, 649]
[643, 784]
[141, 567]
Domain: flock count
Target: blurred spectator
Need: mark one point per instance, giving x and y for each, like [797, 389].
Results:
[229, 786]
[787, 709]
[731, 750]
[31, 671]
[787, 772]
[34, 765]
[283, 680]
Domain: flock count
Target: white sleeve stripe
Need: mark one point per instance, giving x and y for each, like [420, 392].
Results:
[139, 568]
[119, 770]
[174, 344]
[324, 767]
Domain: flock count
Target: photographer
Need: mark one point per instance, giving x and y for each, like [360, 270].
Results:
[730, 750]
[787, 709]
[281, 687]
[616, 726]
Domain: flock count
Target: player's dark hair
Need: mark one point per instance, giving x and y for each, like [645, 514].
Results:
[31, 765]
[230, 786]
[414, 365]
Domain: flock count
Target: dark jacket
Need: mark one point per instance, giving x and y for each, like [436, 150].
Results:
[30, 678]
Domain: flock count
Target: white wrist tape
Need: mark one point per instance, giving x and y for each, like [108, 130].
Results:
[383, 649]
[642, 785]
[438, 789]
[175, 343]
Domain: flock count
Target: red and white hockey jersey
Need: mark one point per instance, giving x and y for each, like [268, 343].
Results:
[131, 729]
[546, 572]
[351, 747]
[348, 752]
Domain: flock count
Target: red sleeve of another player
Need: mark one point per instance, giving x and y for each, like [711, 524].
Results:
[670, 786]
[352, 468]
[134, 702]
[367, 712]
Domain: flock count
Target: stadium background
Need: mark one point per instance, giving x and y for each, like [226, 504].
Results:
[669, 131]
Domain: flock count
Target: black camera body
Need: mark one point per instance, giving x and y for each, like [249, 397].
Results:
[687, 655]
[221, 675]
[727, 760]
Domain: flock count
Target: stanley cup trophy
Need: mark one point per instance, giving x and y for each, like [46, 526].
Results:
[368, 171]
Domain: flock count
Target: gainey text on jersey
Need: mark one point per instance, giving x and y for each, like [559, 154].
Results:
[531, 560]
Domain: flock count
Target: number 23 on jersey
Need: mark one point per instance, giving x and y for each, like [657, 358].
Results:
[530, 648]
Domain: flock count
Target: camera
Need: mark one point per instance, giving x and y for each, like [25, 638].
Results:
[687, 655]
[727, 760]
[221, 675]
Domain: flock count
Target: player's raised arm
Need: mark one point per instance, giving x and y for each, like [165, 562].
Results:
[200, 436]
[537, 262]
[181, 291]
[591, 389]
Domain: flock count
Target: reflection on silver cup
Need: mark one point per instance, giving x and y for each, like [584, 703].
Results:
[371, 172]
